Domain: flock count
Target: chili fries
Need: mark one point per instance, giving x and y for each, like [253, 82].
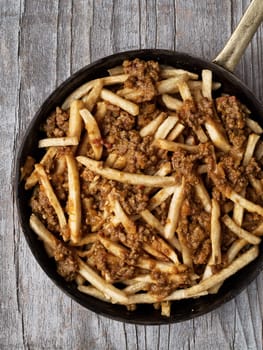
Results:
[150, 190]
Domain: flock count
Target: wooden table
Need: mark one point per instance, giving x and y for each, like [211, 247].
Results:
[42, 43]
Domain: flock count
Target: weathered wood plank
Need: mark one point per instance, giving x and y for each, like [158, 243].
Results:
[11, 319]
[41, 44]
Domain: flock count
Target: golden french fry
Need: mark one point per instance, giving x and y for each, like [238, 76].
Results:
[43, 178]
[219, 277]
[151, 128]
[177, 130]
[121, 176]
[170, 85]
[91, 99]
[160, 197]
[174, 146]
[169, 72]
[58, 142]
[115, 70]
[203, 195]
[251, 145]
[166, 127]
[184, 90]
[39, 228]
[174, 210]
[239, 231]
[93, 133]
[207, 83]
[215, 233]
[46, 161]
[218, 139]
[172, 103]
[74, 204]
[254, 126]
[75, 121]
[115, 294]
[116, 100]
[85, 88]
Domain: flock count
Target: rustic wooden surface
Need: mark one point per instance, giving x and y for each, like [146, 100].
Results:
[42, 43]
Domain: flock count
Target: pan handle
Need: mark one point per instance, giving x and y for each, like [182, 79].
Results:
[239, 40]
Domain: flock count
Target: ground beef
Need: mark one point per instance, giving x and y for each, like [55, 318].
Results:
[67, 265]
[233, 115]
[190, 114]
[142, 78]
[40, 205]
[56, 124]
[234, 172]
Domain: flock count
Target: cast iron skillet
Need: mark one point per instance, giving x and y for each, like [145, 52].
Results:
[145, 314]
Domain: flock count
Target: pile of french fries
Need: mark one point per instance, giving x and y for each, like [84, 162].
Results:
[168, 253]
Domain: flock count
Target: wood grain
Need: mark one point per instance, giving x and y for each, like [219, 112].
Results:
[42, 43]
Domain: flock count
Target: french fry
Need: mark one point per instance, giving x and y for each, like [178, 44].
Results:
[254, 126]
[184, 90]
[235, 249]
[217, 137]
[127, 223]
[93, 132]
[101, 111]
[58, 142]
[94, 292]
[197, 85]
[239, 231]
[160, 197]
[243, 202]
[152, 221]
[203, 195]
[174, 146]
[44, 181]
[259, 151]
[222, 275]
[74, 205]
[172, 103]
[148, 248]
[121, 176]
[166, 308]
[167, 72]
[165, 169]
[116, 100]
[88, 239]
[115, 294]
[91, 99]
[151, 128]
[207, 83]
[39, 228]
[75, 121]
[174, 210]
[185, 251]
[84, 145]
[215, 233]
[46, 161]
[238, 211]
[251, 145]
[85, 88]
[170, 85]
[177, 130]
[115, 70]
[166, 127]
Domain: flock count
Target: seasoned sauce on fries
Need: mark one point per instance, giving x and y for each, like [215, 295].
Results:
[150, 190]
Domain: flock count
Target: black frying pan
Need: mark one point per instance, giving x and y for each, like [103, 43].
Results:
[145, 314]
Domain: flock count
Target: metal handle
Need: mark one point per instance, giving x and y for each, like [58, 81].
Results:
[239, 40]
